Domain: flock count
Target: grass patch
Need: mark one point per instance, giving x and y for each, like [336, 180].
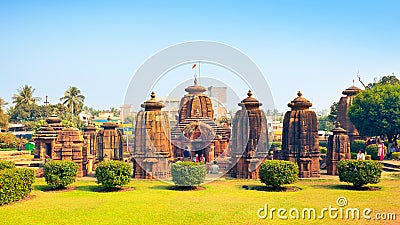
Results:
[222, 202]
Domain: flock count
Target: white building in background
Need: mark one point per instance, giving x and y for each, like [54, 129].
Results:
[171, 107]
[124, 112]
[84, 117]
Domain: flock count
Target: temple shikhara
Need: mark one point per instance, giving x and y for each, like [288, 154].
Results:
[249, 139]
[300, 143]
[343, 107]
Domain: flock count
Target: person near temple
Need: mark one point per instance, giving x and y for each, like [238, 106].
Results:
[381, 150]
[186, 155]
[202, 158]
[214, 168]
[196, 158]
[360, 155]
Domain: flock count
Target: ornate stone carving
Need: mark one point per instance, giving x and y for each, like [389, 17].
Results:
[300, 142]
[152, 147]
[69, 147]
[109, 142]
[343, 107]
[249, 139]
[338, 149]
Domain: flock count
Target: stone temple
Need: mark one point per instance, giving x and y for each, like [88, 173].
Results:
[86, 148]
[338, 149]
[152, 148]
[249, 139]
[343, 107]
[196, 130]
[300, 143]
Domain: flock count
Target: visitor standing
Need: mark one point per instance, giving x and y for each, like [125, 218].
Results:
[381, 150]
[360, 156]
[214, 168]
[186, 155]
[202, 158]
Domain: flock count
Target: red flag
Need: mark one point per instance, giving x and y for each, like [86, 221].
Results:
[194, 66]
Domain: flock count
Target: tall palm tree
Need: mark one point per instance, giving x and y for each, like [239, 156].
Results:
[73, 99]
[25, 96]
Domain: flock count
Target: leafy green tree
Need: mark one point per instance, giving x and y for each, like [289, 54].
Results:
[25, 97]
[376, 111]
[389, 79]
[324, 123]
[73, 99]
[332, 117]
[3, 116]
[25, 112]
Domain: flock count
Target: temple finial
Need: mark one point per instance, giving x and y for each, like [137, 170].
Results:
[153, 95]
[249, 93]
[299, 93]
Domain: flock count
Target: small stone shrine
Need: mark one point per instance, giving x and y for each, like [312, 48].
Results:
[45, 137]
[338, 149]
[300, 141]
[343, 107]
[89, 135]
[249, 139]
[70, 147]
[109, 142]
[152, 147]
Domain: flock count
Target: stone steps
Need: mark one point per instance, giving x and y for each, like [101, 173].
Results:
[391, 166]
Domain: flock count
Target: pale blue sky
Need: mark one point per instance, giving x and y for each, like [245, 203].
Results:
[313, 46]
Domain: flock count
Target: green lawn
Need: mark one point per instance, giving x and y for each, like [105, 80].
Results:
[222, 202]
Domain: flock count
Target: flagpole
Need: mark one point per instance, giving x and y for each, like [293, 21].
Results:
[199, 73]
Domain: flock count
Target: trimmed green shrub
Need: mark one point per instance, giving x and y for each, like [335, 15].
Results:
[323, 150]
[353, 155]
[188, 173]
[6, 165]
[396, 155]
[323, 144]
[356, 145]
[359, 173]
[277, 145]
[278, 172]
[15, 184]
[60, 174]
[373, 151]
[113, 174]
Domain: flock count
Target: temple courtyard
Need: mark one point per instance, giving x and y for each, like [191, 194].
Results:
[224, 201]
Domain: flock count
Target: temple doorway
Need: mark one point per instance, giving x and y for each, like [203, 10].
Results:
[48, 149]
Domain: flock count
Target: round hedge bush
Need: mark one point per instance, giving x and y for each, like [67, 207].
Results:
[6, 165]
[188, 173]
[113, 174]
[373, 151]
[15, 184]
[278, 172]
[357, 145]
[60, 174]
[359, 173]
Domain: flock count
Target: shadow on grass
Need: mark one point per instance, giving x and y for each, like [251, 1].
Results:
[347, 187]
[48, 188]
[271, 189]
[161, 187]
[102, 189]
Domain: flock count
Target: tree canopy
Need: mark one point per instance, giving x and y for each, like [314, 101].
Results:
[73, 99]
[25, 97]
[376, 111]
